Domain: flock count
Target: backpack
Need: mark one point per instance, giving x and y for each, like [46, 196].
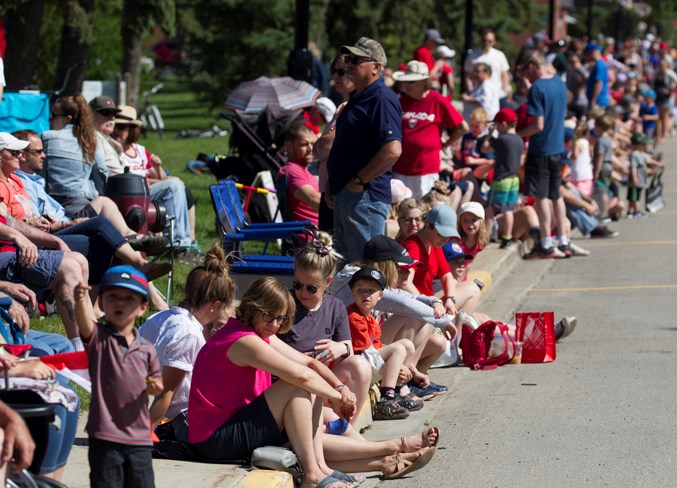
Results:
[476, 345]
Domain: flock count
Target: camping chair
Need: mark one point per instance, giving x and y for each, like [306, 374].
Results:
[234, 231]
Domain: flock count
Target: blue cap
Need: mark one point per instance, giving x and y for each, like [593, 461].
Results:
[443, 218]
[125, 276]
[651, 93]
[453, 251]
[591, 46]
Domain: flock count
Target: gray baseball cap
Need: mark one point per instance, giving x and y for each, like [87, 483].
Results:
[443, 218]
[434, 35]
[367, 48]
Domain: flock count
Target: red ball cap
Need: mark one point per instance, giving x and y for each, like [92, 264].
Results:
[506, 115]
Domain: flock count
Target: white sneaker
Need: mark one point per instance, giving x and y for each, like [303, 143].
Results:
[558, 254]
[578, 251]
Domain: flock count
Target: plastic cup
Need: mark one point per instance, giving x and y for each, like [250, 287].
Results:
[517, 358]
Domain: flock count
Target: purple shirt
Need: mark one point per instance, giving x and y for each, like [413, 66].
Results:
[119, 408]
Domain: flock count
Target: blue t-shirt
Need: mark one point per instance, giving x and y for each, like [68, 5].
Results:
[599, 72]
[368, 121]
[548, 98]
[646, 109]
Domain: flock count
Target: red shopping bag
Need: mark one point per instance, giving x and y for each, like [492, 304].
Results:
[537, 331]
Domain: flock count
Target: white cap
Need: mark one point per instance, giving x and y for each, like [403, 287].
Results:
[474, 208]
[326, 107]
[445, 52]
[8, 141]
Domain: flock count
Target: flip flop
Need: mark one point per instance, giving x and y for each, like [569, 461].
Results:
[328, 481]
[403, 466]
[424, 439]
[348, 478]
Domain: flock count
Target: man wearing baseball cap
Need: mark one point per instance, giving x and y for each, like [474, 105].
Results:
[367, 144]
[504, 193]
[426, 246]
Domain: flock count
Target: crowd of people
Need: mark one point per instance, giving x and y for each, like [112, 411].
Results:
[407, 190]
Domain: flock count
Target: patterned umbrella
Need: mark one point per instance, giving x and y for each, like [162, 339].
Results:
[253, 96]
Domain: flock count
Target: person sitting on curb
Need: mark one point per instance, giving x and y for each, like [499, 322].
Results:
[367, 286]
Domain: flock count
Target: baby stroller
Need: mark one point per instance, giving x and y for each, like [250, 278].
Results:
[256, 144]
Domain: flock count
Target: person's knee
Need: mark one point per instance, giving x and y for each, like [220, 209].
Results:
[358, 369]
[437, 344]
[70, 272]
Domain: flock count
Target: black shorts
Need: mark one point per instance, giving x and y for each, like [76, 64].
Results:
[543, 176]
[634, 194]
[253, 426]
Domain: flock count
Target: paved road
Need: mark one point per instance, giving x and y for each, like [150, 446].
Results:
[604, 413]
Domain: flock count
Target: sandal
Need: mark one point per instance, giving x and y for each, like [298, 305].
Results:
[404, 466]
[330, 481]
[348, 478]
[424, 440]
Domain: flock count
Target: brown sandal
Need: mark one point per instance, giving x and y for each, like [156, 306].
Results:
[404, 466]
[424, 440]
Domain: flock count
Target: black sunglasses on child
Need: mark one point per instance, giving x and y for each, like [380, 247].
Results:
[297, 285]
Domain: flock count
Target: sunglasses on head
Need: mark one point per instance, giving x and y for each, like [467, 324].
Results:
[298, 286]
[339, 71]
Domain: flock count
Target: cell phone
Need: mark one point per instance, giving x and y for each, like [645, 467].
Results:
[321, 355]
[48, 218]
[479, 284]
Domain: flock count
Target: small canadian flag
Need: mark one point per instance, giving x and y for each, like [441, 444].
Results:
[72, 365]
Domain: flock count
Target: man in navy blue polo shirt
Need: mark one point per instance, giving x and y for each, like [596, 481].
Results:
[367, 144]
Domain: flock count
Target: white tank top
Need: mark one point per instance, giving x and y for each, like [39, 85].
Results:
[581, 166]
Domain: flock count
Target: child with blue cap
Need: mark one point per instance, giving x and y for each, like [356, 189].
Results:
[124, 370]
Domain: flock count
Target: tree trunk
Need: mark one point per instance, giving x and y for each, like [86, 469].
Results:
[23, 35]
[132, 40]
[74, 51]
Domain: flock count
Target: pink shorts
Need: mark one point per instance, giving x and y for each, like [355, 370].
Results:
[585, 187]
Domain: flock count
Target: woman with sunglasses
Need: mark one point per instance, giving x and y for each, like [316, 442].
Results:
[74, 164]
[323, 145]
[235, 408]
[320, 326]
[179, 333]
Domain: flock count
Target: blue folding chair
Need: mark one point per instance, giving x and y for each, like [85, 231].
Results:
[234, 231]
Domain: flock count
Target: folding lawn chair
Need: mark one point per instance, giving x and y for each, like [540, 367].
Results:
[235, 230]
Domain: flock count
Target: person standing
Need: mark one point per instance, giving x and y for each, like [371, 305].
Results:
[495, 59]
[486, 93]
[547, 108]
[367, 144]
[424, 53]
[425, 114]
[597, 88]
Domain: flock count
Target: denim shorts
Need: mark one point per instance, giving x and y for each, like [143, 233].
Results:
[38, 277]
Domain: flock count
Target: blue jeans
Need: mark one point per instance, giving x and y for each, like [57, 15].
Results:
[357, 218]
[46, 344]
[60, 441]
[172, 194]
[96, 239]
[579, 218]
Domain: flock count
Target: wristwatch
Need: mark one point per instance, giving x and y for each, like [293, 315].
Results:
[452, 299]
[358, 179]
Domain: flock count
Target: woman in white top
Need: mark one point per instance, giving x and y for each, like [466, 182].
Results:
[179, 333]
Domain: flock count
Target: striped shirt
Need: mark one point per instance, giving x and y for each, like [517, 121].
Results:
[119, 408]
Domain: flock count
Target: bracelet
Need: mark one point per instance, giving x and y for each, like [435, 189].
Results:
[437, 300]
[341, 386]
[347, 351]
[450, 297]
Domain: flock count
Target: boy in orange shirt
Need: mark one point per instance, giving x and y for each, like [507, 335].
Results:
[367, 285]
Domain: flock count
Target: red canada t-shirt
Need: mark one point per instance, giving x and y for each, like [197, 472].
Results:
[422, 124]
[434, 264]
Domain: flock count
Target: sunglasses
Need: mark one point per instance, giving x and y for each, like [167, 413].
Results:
[340, 72]
[122, 126]
[298, 286]
[54, 116]
[34, 151]
[107, 113]
[352, 59]
[15, 152]
[270, 318]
